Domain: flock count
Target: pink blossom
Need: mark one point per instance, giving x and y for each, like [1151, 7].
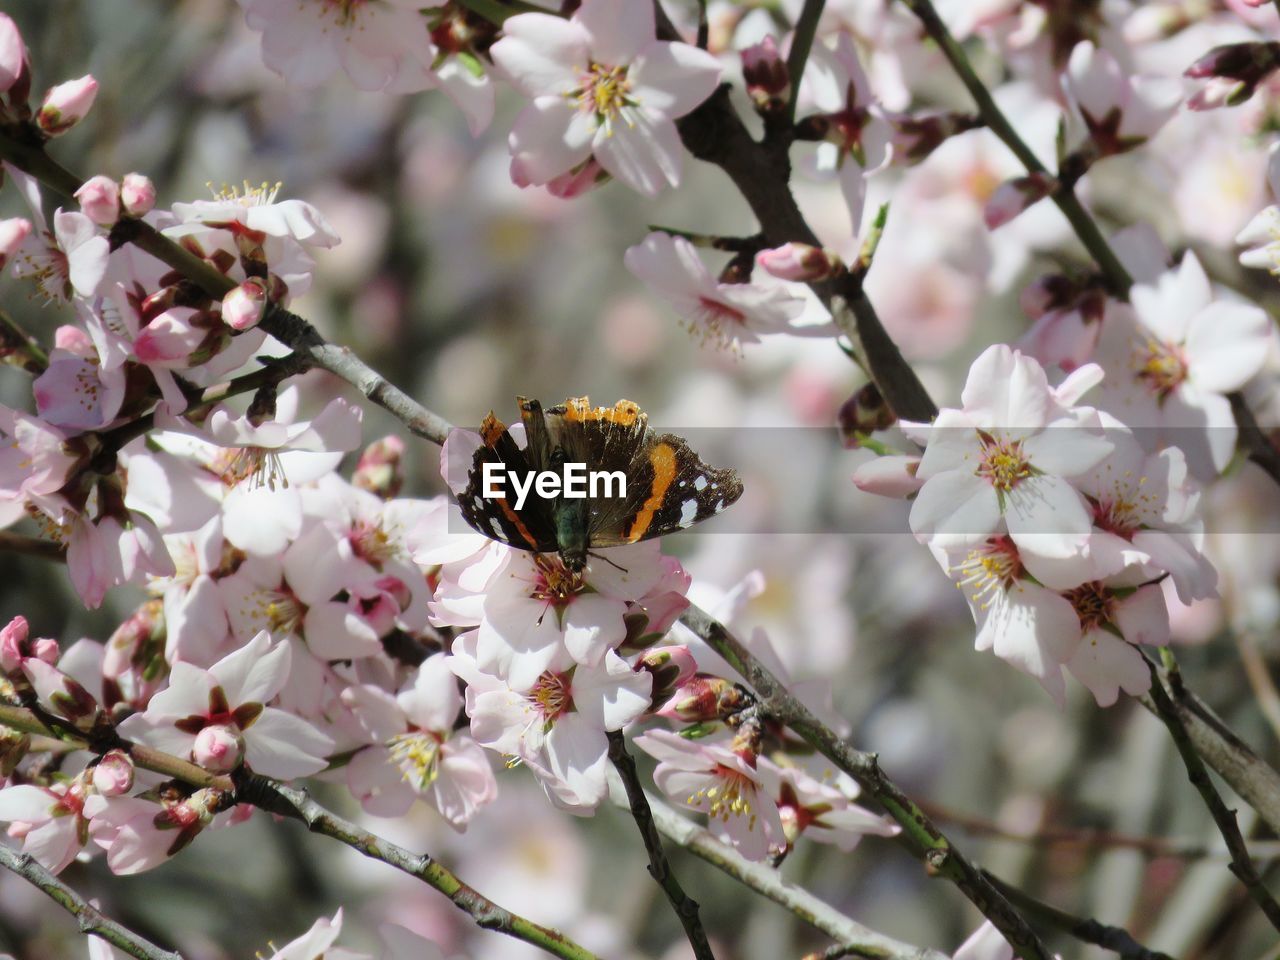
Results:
[232, 693]
[1172, 360]
[415, 750]
[100, 200]
[727, 314]
[66, 105]
[1005, 462]
[820, 809]
[50, 821]
[13, 232]
[715, 780]
[139, 834]
[1121, 112]
[557, 726]
[601, 86]
[78, 394]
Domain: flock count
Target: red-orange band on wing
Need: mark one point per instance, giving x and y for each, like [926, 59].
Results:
[663, 459]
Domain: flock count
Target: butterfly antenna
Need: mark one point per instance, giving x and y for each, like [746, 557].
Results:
[601, 556]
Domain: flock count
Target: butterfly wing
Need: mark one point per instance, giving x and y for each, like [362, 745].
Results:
[496, 517]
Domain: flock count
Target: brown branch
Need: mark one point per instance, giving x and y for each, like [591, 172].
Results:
[32, 546]
[93, 921]
[685, 907]
[1223, 817]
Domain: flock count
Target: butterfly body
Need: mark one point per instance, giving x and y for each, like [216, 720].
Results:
[653, 483]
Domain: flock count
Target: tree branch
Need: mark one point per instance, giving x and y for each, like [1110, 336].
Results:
[801, 43]
[768, 882]
[1224, 817]
[92, 921]
[685, 907]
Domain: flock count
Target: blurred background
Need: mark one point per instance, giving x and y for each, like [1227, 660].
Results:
[466, 291]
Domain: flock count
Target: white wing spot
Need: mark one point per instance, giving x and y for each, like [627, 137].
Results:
[700, 484]
[688, 510]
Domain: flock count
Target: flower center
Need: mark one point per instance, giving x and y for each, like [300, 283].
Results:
[1160, 365]
[417, 754]
[552, 695]
[554, 583]
[729, 795]
[994, 566]
[1003, 462]
[1093, 603]
[373, 543]
[264, 194]
[260, 466]
[604, 92]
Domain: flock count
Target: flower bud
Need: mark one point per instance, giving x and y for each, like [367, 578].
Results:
[1015, 195]
[862, 414]
[1234, 71]
[113, 774]
[800, 262]
[14, 68]
[66, 105]
[701, 698]
[218, 748]
[13, 644]
[765, 72]
[242, 308]
[379, 470]
[13, 232]
[670, 666]
[63, 695]
[581, 179]
[137, 194]
[100, 200]
[889, 477]
[916, 135]
[13, 748]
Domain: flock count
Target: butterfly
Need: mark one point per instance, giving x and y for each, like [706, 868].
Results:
[650, 484]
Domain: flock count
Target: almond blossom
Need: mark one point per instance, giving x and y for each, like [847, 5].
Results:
[50, 821]
[232, 694]
[717, 781]
[602, 86]
[415, 750]
[1172, 360]
[1004, 462]
[1120, 112]
[725, 314]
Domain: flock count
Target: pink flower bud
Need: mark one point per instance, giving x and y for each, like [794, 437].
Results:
[12, 234]
[669, 666]
[66, 105]
[218, 748]
[799, 262]
[242, 308]
[14, 69]
[1234, 71]
[889, 476]
[100, 200]
[47, 650]
[137, 194]
[379, 470]
[1014, 196]
[13, 644]
[701, 699]
[765, 72]
[113, 774]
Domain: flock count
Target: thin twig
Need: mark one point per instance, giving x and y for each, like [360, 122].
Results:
[1224, 817]
[768, 882]
[801, 43]
[686, 907]
[92, 920]
[293, 802]
[1086, 930]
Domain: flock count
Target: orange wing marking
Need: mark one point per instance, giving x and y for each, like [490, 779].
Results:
[663, 459]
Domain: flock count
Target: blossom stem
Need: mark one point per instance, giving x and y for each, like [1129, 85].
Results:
[1223, 816]
[32, 546]
[92, 921]
[17, 341]
[806, 29]
[767, 881]
[685, 907]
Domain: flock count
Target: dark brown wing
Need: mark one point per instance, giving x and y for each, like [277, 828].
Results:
[532, 527]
